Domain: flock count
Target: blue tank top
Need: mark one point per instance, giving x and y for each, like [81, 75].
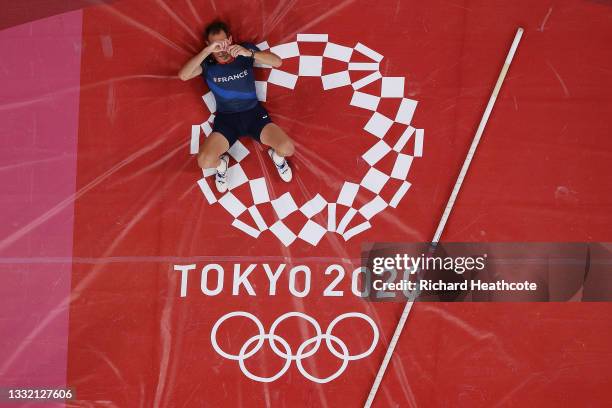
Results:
[233, 84]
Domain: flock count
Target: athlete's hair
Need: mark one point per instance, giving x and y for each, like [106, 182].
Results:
[216, 27]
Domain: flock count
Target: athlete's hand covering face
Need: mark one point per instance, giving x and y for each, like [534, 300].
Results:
[220, 49]
[218, 46]
[214, 46]
[236, 50]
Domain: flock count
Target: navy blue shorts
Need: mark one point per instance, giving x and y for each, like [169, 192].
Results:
[247, 123]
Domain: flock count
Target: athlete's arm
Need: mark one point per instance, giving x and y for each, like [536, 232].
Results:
[263, 57]
[193, 67]
[268, 58]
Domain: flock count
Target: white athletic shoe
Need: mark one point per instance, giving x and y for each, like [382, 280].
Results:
[284, 171]
[221, 178]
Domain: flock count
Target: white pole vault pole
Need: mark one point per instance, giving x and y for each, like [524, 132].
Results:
[447, 210]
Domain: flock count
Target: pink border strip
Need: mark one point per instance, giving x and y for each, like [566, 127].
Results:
[39, 112]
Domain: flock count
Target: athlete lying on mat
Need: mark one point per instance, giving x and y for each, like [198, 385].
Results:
[228, 71]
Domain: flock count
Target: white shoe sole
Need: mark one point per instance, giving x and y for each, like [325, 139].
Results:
[222, 188]
[288, 175]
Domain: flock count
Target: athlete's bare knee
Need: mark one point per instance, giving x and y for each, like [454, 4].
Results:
[207, 160]
[286, 148]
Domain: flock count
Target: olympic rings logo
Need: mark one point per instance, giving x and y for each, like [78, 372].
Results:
[334, 344]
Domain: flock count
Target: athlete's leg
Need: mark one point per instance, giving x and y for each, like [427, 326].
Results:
[212, 156]
[213, 147]
[275, 137]
[281, 148]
